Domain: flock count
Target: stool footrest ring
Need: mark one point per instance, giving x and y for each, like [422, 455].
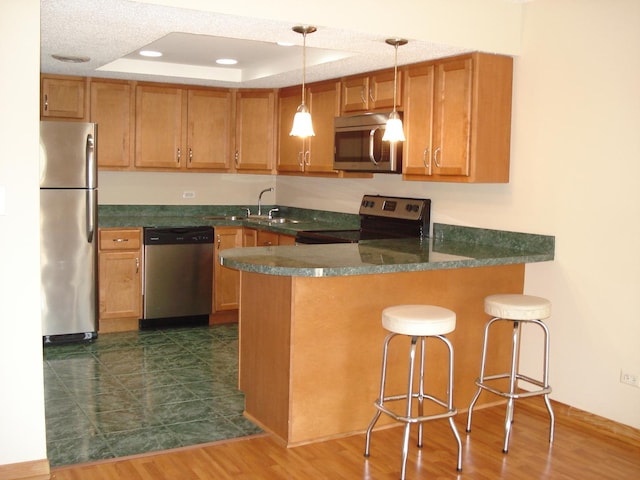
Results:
[544, 389]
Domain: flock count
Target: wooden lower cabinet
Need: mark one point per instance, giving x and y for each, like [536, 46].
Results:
[226, 281]
[119, 279]
[264, 238]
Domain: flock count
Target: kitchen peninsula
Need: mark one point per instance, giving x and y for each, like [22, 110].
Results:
[310, 328]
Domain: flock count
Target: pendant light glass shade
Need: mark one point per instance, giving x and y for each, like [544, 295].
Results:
[302, 126]
[394, 131]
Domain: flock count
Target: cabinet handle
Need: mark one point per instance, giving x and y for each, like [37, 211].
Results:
[218, 242]
[190, 155]
[371, 95]
[301, 159]
[119, 240]
[137, 264]
[362, 97]
[307, 158]
[179, 155]
[426, 160]
[236, 157]
[46, 102]
[436, 153]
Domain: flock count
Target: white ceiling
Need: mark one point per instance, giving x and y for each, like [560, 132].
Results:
[111, 32]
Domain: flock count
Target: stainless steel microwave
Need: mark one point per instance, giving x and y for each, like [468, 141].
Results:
[359, 147]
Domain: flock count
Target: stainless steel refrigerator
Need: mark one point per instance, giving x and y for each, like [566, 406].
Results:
[68, 230]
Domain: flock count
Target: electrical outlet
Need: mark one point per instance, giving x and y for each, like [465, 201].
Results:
[630, 378]
[189, 194]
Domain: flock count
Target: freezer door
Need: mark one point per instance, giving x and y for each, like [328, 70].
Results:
[68, 257]
[68, 155]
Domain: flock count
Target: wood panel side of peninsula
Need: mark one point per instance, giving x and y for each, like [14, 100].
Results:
[311, 347]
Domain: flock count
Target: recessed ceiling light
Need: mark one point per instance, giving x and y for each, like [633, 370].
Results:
[71, 59]
[150, 53]
[285, 44]
[226, 61]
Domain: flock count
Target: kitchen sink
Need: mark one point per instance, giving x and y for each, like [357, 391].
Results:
[252, 218]
[224, 217]
[273, 220]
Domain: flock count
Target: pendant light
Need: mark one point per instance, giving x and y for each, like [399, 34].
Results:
[302, 126]
[393, 131]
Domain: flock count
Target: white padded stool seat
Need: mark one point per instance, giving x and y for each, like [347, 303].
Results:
[514, 306]
[419, 320]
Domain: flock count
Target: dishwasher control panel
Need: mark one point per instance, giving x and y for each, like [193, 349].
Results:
[177, 235]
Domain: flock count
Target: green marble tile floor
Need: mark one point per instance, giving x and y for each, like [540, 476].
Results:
[137, 392]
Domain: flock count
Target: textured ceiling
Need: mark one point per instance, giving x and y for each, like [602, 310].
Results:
[111, 32]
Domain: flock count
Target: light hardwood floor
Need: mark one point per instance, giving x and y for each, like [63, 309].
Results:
[585, 447]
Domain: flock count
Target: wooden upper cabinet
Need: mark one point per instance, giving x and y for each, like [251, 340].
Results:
[210, 129]
[255, 133]
[112, 107]
[418, 120]
[324, 105]
[63, 97]
[160, 127]
[466, 138]
[290, 149]
[313, 154]
[371, 92]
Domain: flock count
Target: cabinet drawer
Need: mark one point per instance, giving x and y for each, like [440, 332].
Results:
[120, 239]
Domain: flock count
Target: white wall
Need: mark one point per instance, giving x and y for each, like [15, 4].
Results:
[21, 402]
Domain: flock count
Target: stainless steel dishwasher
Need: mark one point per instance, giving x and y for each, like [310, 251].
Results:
[178, 276]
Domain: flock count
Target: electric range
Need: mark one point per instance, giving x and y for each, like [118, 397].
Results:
[380, 217]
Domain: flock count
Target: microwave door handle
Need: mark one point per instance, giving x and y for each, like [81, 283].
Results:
[372, 134]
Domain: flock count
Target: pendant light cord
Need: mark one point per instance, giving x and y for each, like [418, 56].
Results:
[395, 78]
[304, 62]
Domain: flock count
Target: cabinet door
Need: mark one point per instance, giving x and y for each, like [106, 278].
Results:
[324, 104]
[284, 239]
[290, 149]
[266, 238]
[249, 237]
[255, 131]
[355, 94]
[418, 120]
[226, 292]
[120, 294]
[112, 108]
[452, 121]
[209, 132]
[160, 127]
[62, 97]
[381, 90]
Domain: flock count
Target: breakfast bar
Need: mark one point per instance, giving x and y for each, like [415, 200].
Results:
[310, 330]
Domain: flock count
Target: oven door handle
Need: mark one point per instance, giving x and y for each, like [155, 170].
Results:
[372, 135]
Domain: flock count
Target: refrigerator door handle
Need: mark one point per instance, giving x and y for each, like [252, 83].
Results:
[90, 155]
[91, 198]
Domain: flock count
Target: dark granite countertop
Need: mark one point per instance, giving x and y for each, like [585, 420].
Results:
[451, 247]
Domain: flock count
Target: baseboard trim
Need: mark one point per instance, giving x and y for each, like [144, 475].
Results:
[34, 470]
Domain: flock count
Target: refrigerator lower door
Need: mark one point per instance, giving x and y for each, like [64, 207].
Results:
[68, 262]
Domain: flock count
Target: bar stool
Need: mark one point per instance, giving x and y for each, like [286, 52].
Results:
[518, 309]
[419, 322]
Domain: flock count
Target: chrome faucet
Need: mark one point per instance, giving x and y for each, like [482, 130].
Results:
[260, 199]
